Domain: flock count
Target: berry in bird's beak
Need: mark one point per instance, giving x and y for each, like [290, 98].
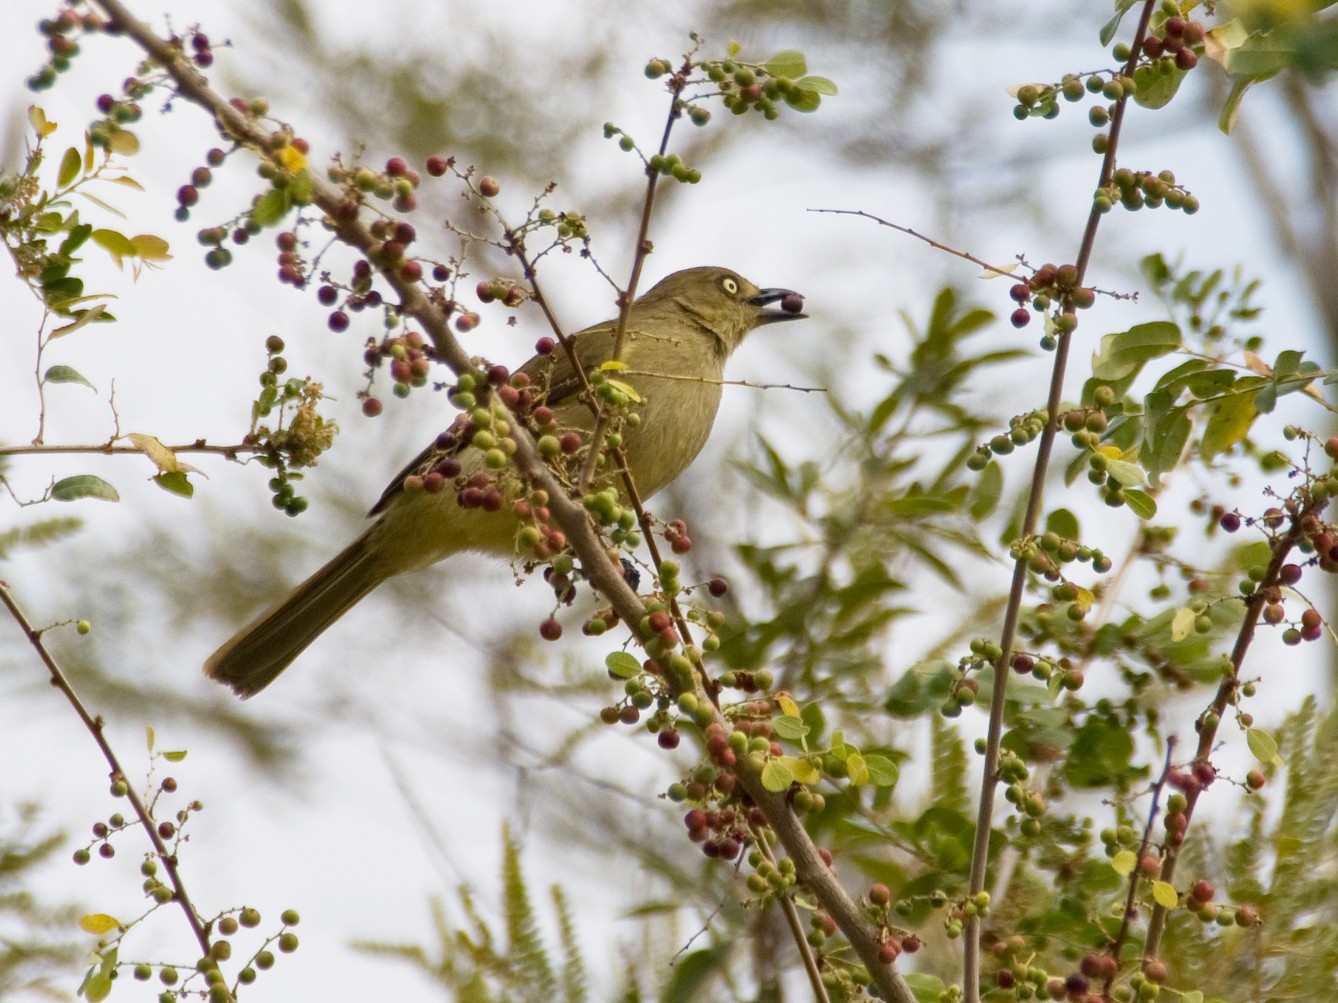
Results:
[791, 305]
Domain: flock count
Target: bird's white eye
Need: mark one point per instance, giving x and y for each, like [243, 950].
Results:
[729, 285]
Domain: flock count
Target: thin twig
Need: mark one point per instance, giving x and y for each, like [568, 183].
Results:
[94, 725]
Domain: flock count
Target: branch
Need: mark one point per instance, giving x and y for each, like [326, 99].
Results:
[604, 574]
[95, 728]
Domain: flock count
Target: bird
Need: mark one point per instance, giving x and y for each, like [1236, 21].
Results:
[678, 336]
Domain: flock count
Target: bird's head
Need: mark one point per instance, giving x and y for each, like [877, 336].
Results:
[722, 302]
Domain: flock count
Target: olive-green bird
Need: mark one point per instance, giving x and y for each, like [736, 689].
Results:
[678, 336]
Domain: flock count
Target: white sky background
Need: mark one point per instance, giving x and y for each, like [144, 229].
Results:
[338, 841]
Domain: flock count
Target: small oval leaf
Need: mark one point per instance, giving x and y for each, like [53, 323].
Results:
[776, 776]
[98, 923]
[65, 374]
[1165, 894]
[1124, 863]
[69, 167]
[83, 486]
[622, 665]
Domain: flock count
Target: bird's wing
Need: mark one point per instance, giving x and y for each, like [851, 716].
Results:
[553, 376]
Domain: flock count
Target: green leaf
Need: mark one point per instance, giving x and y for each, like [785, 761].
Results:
[1229, 419]
[97, 988]
[83, 486]
[1157, 84]
[986, 492]
[1108, 29]
[271, 208]
[1140, 503]
[1123, 353]
[805, 101]
[82, 318]
[926, 988]
[622, 665]
[1063, 522]
[791, 729]
[69, 167]
[1263, 746]
[65, 374]
[883, 772]
[175, 482]
[818, 85]
[776, 776]
[1165, 894]
[115, 243]
[790, 63]
[1124, 473]
[302, 188]
[175, 756]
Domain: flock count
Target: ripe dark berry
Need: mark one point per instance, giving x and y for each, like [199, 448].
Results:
[1230, 522]
[1020, 317]
[550, 630]
[338, 321]
[717, 586]
[792, 303]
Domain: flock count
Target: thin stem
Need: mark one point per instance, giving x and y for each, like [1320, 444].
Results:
[1040, 472]
[94, 726]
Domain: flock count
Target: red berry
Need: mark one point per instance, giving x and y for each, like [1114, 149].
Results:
[396, 167]
[437, 165]
[550, 629]
[371, 407]
[792, 303]
[1020, 317]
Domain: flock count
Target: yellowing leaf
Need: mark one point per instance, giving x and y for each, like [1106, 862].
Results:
[801, 770]
[1263, 745]
[1257, 365]
[163, 458]
[292, 159]
[611, 364]
[1109, 452]
[151, 247]
[1165, 894]
[631, 394]
[124, 142]
[1182, 624]
[87, 317]
[1124, 863]
[856, 769]
[37, 119]
[776, 776]
[98, 923]
[787, 705]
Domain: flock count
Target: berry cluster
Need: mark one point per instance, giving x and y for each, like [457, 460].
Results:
[59, 43]
[1022, 429]
[1136, 189]
[109, 132]
[1051, 285]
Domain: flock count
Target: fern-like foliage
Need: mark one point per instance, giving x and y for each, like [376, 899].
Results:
[472, 964]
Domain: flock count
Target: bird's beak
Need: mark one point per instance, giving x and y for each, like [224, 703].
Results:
[792, 305]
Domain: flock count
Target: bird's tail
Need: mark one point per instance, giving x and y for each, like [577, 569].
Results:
[258, 652]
